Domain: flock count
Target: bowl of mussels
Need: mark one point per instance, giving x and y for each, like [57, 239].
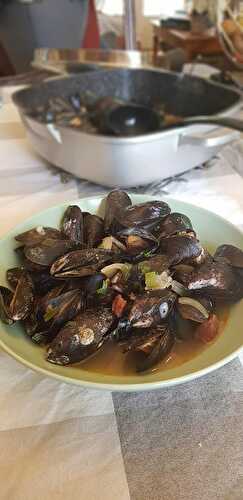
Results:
[122, 292]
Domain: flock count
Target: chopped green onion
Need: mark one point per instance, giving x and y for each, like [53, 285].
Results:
[50, 313]
[103, 289]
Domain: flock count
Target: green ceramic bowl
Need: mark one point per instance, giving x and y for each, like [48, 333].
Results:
[213, 230]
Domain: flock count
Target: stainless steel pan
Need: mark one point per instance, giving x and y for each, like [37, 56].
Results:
[139, 160]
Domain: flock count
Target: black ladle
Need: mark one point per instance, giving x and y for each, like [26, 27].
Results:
[131, 120]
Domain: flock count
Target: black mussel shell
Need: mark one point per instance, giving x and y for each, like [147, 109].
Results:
[93, 230]
[116, 201]
[23, 298]
[73, 224]
[153, 348]
[217, 280]
[6, 297]
[231, 254]
[194, 309]
[143, 215]
[181, 249]
[54, 311]
[81, 338]
[13, 276]
[173, 224]
[48, 251]
[37, 235]
[138, 241]
[43, 282]
[151, 308]
[81, 263]
[157, 264]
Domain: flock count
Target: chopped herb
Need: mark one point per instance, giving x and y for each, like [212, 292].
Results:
[103, 289]
[50, 313]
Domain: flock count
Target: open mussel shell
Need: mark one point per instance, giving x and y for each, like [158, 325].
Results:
[73, 224]
[23, 298]
[113, 244]
[37, 235]
[81, 338]
[232, 255]
[217, 280]
[6, 297]
[181, 249]
[193, 309]
[93, 230]
[54, 312]
[143, 215]
[154, 348]
[48, 251]
[116, 201]
[173, 224]
[81, 263]
[151, 308]
[138, 241]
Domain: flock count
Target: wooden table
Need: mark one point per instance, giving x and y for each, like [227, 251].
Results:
[204, 44]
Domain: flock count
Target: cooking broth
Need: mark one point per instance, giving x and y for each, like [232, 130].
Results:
[111, 360]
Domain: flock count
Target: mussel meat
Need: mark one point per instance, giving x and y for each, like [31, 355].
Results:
[81, 338]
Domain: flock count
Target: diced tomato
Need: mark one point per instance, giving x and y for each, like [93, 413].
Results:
[208, 330]
[118, 305]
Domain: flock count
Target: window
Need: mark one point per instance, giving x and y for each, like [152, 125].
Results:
[111, 7]
[151, 8]
[160, 7]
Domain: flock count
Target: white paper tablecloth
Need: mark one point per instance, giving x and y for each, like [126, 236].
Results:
[62, 442]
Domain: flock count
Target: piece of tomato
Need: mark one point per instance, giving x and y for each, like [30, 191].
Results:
[118, 306]
[208, 330]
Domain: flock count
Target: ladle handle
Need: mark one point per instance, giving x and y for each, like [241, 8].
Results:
[232, 123]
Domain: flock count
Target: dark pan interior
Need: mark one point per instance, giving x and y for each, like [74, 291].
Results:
[182, 95]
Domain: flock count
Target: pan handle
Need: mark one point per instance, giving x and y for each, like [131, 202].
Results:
[214, 139]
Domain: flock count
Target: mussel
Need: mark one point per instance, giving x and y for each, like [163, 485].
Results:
[181, 249]
[81, 263]
[54, 312]
[6, 297]
[81, 338]
[138, 241]
[173, 224]
[147, 311]
[23, 298]
[93, 230]
[231, 254]
[216, 280]
[197, 310]
[48, 251]
[13, 276]
[35, 236]
[143, 215]
[116, 201]
[73, 224]
[150, 346]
